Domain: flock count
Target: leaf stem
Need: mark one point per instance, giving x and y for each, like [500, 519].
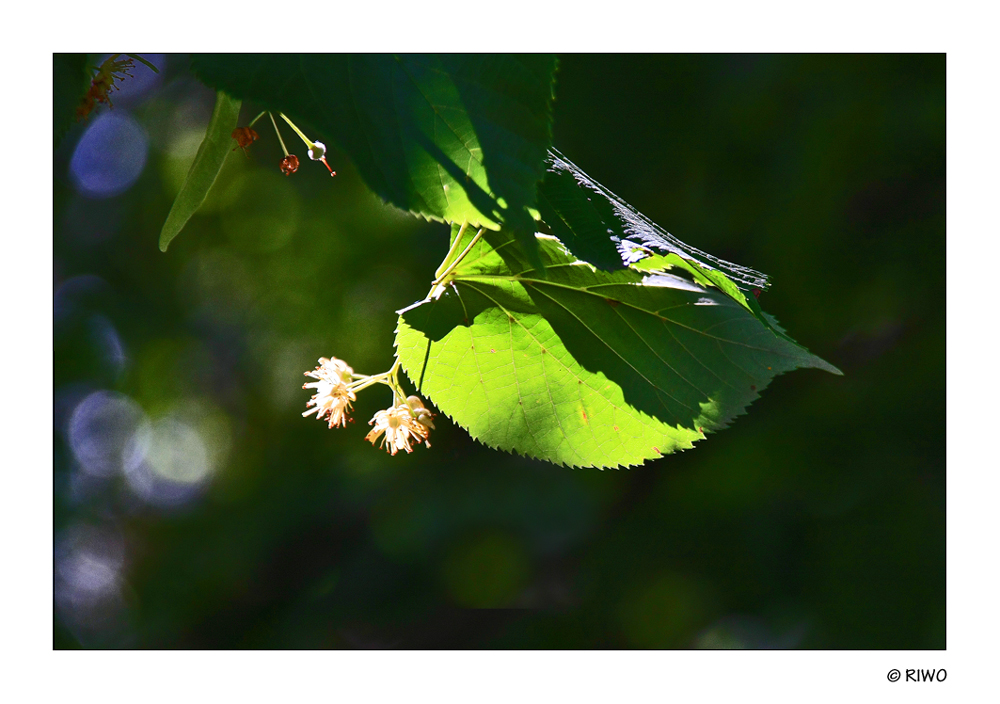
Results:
[452, 250]
[283, 147]
[459, 258]
[398, 395]
[253, 121]
[388, 378]
[142, 61]
[309, 142]
[317, 150]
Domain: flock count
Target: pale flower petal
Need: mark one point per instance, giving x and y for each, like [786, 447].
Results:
[333, 398]
[401, 428]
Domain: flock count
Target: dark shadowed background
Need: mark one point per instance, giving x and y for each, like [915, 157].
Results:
[196, 508]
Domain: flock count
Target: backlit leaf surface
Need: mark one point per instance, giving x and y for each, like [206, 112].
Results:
[205, 168]
[585, 367]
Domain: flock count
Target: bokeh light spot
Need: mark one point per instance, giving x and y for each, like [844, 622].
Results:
[175, 455]
[100, 430]
[110, 155]
[108, 343]
[88, 582]
[74, 293]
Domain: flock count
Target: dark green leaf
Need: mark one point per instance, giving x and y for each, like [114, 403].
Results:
[211, 155]
[451, 137]
[70, 80]
[599, 227]
[584, 367]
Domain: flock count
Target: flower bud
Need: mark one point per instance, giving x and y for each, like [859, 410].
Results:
[318, 151]
[420, 413]
[289, 165]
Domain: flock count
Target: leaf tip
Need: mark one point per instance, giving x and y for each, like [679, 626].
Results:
[820, 363]
[165, 239]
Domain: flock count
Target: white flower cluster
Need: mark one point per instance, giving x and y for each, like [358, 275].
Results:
[333, 396]
[399, 426]
[408, 422]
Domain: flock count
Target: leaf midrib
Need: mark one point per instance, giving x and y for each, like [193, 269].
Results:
[491, 278]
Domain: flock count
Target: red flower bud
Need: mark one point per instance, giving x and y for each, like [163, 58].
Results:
[244, 136]
[289, 165]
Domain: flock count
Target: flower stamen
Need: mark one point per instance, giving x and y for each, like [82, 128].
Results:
[100, 86]
[401, 425]
[317, 150]
[333, 397]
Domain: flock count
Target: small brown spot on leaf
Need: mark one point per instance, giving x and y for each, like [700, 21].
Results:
[615, 427]
[657, 450]
[752, 387]
[611, 302]
[492, 351]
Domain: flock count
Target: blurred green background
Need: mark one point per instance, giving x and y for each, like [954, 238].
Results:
[196, 508]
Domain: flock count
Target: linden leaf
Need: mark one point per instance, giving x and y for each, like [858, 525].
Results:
[452, 137]
[212, 153]
[585, 367]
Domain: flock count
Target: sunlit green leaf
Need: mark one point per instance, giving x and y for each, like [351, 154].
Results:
[208, 162]
[585, 367]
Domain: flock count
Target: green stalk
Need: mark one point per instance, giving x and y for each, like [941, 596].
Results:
[459, 258]
[452, 250]
[283, 147]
